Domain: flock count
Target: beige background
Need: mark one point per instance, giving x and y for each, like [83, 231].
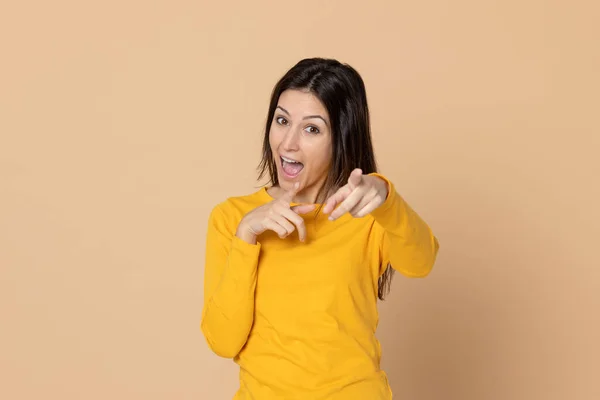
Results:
[123, 122]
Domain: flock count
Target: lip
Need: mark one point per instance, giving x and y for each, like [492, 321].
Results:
[285, 174]
[288, 158]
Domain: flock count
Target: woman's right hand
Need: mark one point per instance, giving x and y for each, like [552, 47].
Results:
[277, 216]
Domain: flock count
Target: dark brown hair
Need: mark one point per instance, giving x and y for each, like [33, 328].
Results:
[342, 91]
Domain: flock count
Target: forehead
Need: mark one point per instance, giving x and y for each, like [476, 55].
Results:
[300, 103]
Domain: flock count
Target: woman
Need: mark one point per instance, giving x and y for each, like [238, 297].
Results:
[294, 270]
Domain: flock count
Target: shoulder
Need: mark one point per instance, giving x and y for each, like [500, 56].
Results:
[232, 209]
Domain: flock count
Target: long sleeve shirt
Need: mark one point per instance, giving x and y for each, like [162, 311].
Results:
[299, 318]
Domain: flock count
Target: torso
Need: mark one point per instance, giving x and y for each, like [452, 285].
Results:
[315, 315]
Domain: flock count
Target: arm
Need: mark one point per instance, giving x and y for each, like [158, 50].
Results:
[229, 281]
[408, 242]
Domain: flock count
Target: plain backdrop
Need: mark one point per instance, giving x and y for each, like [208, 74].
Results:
[122, 123]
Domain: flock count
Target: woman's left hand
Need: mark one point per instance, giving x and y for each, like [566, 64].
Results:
[361, 195]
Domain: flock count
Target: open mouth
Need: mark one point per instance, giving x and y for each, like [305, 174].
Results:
[291, 168]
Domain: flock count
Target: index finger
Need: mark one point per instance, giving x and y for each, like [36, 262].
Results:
[346, 205]
[336, 199]
[289, 195]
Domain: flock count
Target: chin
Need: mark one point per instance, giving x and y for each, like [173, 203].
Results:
[285, 179]
[286, 183]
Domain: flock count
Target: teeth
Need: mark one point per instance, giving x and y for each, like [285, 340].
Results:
[289, 160]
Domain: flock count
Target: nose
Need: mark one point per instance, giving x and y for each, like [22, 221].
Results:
[291, 140]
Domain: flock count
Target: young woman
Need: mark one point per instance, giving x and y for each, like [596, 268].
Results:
[294, 270]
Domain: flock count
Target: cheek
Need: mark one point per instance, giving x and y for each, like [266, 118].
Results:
[274, 139]
[322, 158]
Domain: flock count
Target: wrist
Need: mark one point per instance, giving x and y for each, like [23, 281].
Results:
[382, 187]
[245, 234]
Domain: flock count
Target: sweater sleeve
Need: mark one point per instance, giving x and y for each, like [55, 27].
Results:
[230, 274]
[408, 243]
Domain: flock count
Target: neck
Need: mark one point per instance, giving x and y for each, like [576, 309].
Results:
[308, 195]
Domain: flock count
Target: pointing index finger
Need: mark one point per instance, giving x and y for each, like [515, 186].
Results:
[346, 205]
[335, 199]
[290, 194]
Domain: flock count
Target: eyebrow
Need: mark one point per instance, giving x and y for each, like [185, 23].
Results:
[307, 117]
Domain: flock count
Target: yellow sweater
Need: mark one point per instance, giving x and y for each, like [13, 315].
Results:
[300, 318]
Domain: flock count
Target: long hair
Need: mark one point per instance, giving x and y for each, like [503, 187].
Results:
[342, 91]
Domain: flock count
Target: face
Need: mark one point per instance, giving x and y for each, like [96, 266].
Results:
[300, 139]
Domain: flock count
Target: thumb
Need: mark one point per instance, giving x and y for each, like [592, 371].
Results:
[304, 208]
[355, 178]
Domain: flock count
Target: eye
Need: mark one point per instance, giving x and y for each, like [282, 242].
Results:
[312, 129]
[281, 121]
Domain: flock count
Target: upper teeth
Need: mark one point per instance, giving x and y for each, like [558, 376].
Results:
[288, 160]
